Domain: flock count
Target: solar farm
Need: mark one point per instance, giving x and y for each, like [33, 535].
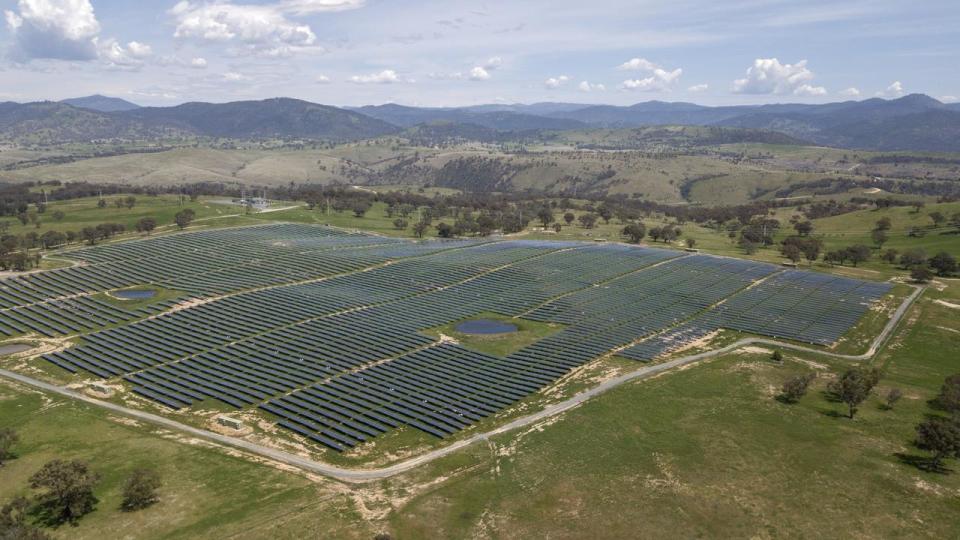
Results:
[324, 330]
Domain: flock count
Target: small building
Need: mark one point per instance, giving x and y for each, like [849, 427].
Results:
[101, 388]
[229, 422]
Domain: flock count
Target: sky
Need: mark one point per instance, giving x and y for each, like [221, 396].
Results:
[456, 53]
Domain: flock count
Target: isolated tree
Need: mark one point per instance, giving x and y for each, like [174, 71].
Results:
[67, 489]
[691, 242]
[8, 438]
[605, 213]
[944, 263]
[183, 218]
[545, 215]
[634, 232]
[569, 217]
[400, 224]
[444, 230]
[879, 238]
[655, 233]
[360, 208]
[854, 386]
[140, 490]
[796, 387]
[938, 218]
[884, 224]
[588, 221]
[893, 396]
[949, 396]
[102, 203]
[777, 356]
[146, 225]
[890, 256]
[941, 437]
[420, 228]
[130, 202]
[921, 274]
[58, 215]
[557, 227]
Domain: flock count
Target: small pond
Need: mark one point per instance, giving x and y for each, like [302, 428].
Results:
[14, 348]
[134, 294]
[485, 327]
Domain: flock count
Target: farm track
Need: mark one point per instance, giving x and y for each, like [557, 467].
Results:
[365, 475]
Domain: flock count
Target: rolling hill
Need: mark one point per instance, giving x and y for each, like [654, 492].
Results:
[101, 103]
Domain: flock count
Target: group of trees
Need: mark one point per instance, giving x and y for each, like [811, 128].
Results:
[64, 493]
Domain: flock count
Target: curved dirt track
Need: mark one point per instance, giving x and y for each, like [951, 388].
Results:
[362, 475]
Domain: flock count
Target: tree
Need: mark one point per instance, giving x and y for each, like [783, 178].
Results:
[803, 228]
[655, 233]
[879, 238]
[940, 436]
[8, 438]
[58, 215]
[854, 386]
[588, 221]
[937, 218]
[691, 242]
[635, 232]
[183, 218]
[360, 208]
[569, 217]
[445, 231]
[890, 256]
[420, 228]
[130, 202]
[913, 257]
[102, 203]
[146, 225]
[13, 522]
[921, 274]
[792, 252]
[796, 387]
[858, 253]
[949, 396]
[893, 396]
[557, 227]
[89, 235]
[777, 356]
[400, 224]
[884, 224]
[944, 263]
[140, 490]
[68, 489]
[545, 215]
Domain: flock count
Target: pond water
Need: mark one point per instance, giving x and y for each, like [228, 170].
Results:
[485, 327]
[14, 348]
[134, 294]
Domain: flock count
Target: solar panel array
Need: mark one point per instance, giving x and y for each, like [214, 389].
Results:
[323, 329]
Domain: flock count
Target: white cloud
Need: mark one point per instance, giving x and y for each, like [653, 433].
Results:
[118, 56]
[949, 99]
[479, 73]
[808, 90]
[198, 63]
[55, 29]
[586, 86]
[660, 80]
[259, 29]
[895, 90]
[769, 76]
[323, 79]
[306, 7]
[233, 76]
[698, 88]
[556, 82]
[850, 92]
[636, 64]
[386, 76]
[492, 63]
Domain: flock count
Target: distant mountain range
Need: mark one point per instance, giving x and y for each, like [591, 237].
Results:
[914, 122]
